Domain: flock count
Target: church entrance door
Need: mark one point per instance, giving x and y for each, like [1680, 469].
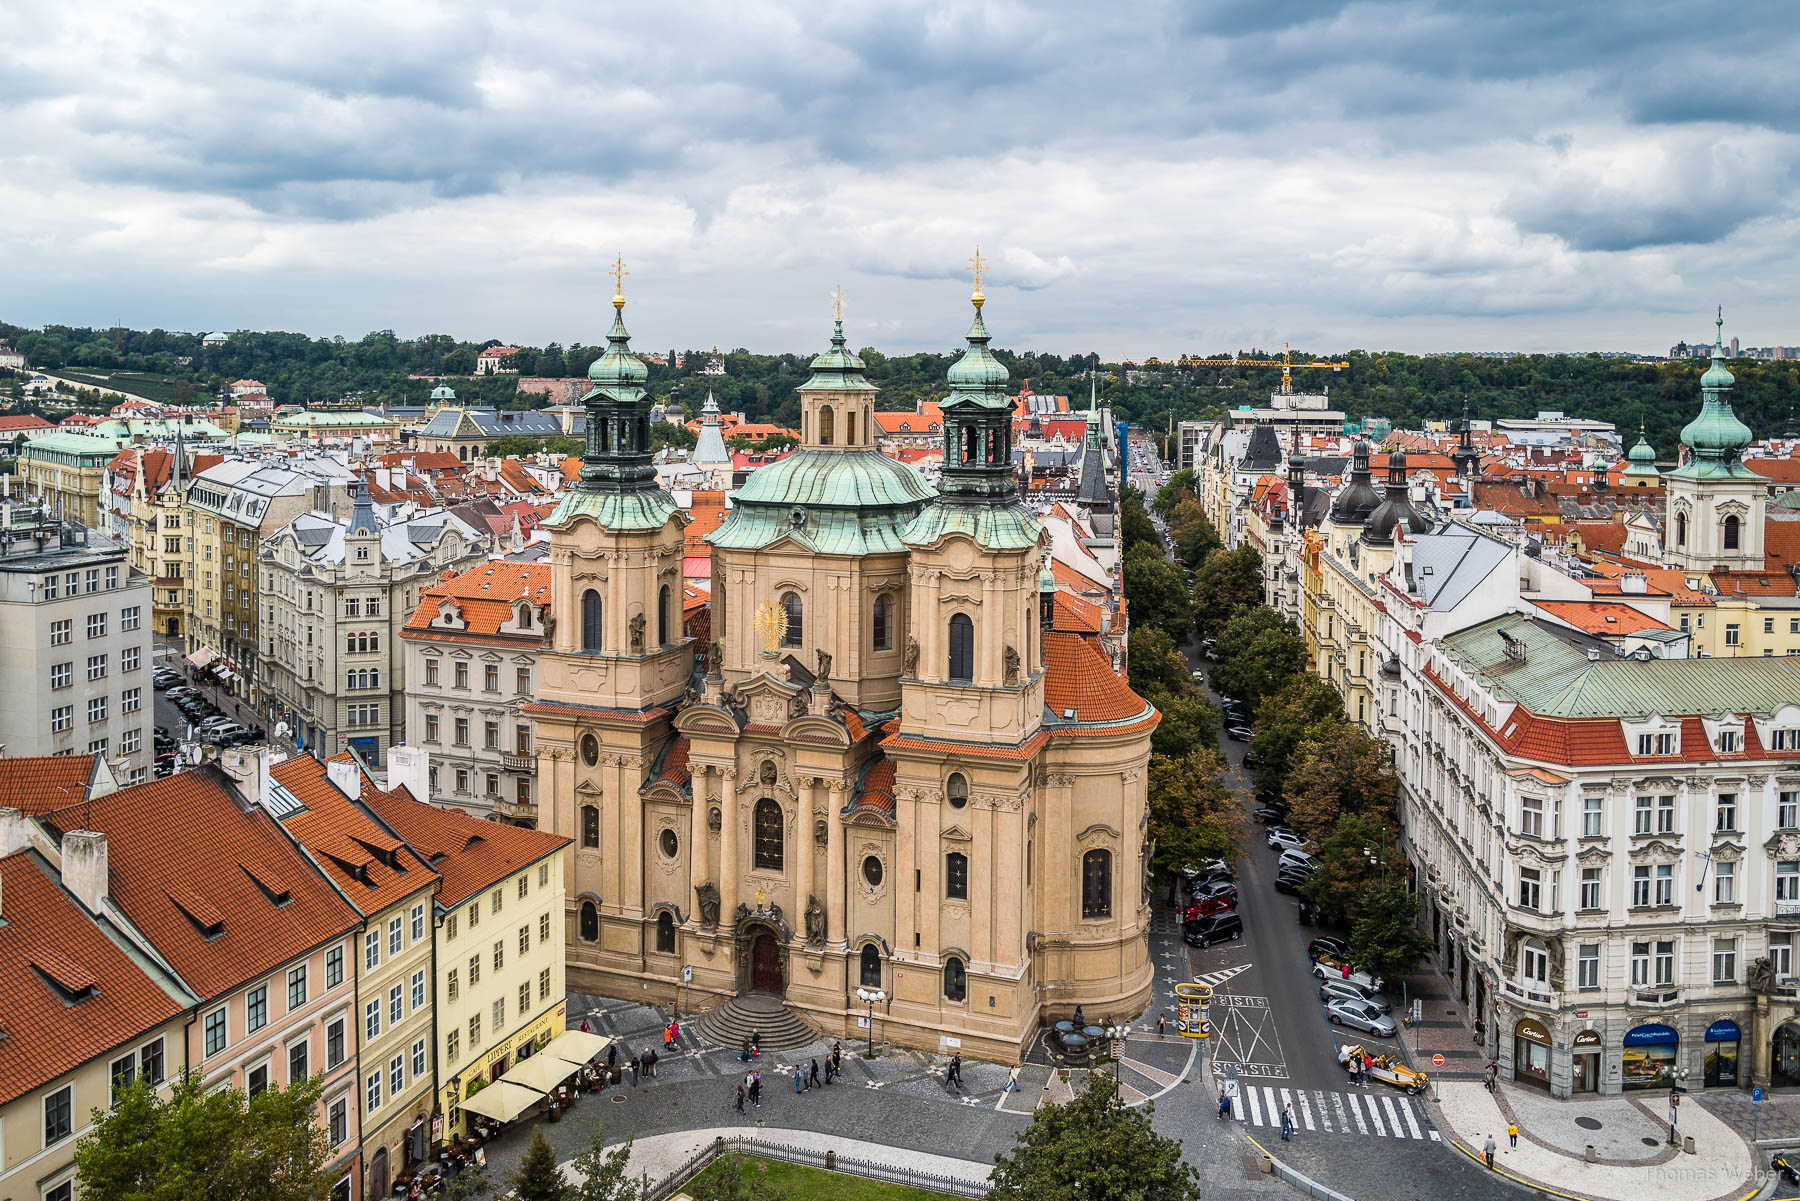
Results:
[765, 965]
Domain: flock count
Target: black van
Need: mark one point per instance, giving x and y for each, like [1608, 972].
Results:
[1219, 927]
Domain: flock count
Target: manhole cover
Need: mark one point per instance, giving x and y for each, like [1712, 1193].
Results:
[1456, 1167]
[1652, 1142]
[619, 1100]
[1587, 1123]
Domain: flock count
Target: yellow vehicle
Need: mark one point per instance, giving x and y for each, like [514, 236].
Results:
[1387, 1069]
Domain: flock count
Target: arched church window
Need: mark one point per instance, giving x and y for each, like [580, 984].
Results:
[962, 649]
[796, 619]
[1681, 529]
[590, 826]
[665, 932]
[768, 854]
[590, 620]
[956, 790]
[1096, 884]
[662, 616]
[870, 973]
[1732, 527]
[590, 922]
[882, 634]
[825, 425]
[849, 427]
[956, 979]
[524, 617]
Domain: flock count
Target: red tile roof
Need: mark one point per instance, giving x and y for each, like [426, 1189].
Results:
[675, 764]
[372, 867]
[1078, 677]
[1781, 543]
[39, 783]
[877, 794]
[1752, 583]
[48, 941]
[469, 854]
[1597, 535]
[12, 423]
[1779, 471]
[1602, 617]
[484, 595]
[180, 844]
[1074, 615]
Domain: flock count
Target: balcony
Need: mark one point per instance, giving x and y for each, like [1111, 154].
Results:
[515, 811]
[1660, 996]
[518, 762]
[1533, 997]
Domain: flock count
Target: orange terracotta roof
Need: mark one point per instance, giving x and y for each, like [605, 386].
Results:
[967, 750]
[570, 467]
[469, 854]
[485, 595]
[1072, 615]
[1752, 583]
[1080, 681]
[877, 795]
[675, 764]
[221, 893]
[1602, 617]
[1598, 535]
[1781, 543]
[706, 512]
[1780, 471]
[552, 709]
[51, 952]
[372, 867]
[39, 783]
[14, 422]
[1662, 579]
[1067, 577]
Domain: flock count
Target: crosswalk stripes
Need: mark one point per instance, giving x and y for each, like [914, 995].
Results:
[1214, 979]
[1382, 1115]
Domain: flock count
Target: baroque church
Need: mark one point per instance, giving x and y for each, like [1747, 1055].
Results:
[888, 769]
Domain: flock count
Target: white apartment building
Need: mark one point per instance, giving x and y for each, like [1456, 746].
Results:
[74, 644]
[335, 593]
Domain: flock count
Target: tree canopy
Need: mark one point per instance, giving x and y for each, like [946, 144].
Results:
[1156, 592]
[1386, 939]
[1259, 653]
[1093, 1148]
[1227, 581]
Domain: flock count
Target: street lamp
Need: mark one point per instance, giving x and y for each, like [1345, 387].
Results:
[1118, 1034]
[871, 998]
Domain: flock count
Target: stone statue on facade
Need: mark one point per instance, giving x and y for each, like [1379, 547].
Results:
[742, 915]
[1762, 977]
[815, 922]
[715, 659]
[824, 673]
[708, 896]
[1012, 665]
[549, 623]
[912, 655]
[636, 625]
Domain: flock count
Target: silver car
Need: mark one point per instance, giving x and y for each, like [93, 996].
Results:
[1348, 990]
[1360, 1015]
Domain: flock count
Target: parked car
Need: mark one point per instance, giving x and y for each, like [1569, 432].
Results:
[1281, 837]
[1269, 815]
[1238, 733]
[1388, 1070]
[1218, 888]
[1291, 881]
[223, 733]
[182, 690]
[1210, 906]
[1220, 927]
[1362, 980]
[1211, 876]
[1345, 990]
[1292, 860]
[1360, 1015]
[1326, 945]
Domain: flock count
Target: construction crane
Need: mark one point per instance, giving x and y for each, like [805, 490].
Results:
[1288, 366]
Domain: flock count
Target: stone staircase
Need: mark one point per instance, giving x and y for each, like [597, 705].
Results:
[755, 1013]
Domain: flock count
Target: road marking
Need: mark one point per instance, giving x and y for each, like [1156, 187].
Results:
[1337, 1103]
[1305, 1110]
[1387, 1103]
[1356, 1112]
[1244, 1037]
[1406, 1107]
[1254, 1113]
[1324, 1118]
[1375, 1116]
[1222, 975]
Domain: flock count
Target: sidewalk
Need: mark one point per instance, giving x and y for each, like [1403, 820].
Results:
[656, 1156]
[1629, 1137]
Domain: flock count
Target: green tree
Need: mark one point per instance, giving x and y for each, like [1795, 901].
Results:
[1093, 1148]
[1226, 582]
[1152, 664]
[1189, 722]
[470, 1184]
[538, 1177]
[1259, 654]
[1170, 494]
[1344, 873]
[1135, 526]
[514, 445]
[605, 1175]
[1192, 814]
[1194, 536]
[214, 1146]
[460, 361]
[667, 433]
[736, 1178]
[772, 442]
[1284, 721]
[1340, 770]
[1156, 592]
[1386, 940]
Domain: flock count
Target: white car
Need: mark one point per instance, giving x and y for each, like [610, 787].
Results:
[1283, 840]
[1296, 861]
[1362, 980]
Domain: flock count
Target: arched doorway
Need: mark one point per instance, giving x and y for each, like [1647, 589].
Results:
[765, 964]
[378, 1174]
[1785, 1070]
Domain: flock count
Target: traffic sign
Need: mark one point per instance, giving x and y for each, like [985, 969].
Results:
[1755, 1095]
[1437, 1061]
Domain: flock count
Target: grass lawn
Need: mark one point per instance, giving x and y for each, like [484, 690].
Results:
[795, 1183]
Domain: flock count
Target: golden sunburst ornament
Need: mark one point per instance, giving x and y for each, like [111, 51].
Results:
[771, 625]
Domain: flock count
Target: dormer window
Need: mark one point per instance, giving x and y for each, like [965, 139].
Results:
[1730, 742]
[524, 617]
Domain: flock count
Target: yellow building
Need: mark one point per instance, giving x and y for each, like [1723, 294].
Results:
[69, 472]
[291, 421]
[500, 992]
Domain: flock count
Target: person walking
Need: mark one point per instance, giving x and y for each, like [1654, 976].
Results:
[837, 1057]
[956, 1068]
[585, 1028]
[1162, 1023]
[813, 1078]
[829, 1070]
[674, 1032]
[612, 1055]
[756, 1089]
[799, 1080]
[1287, 1122]
[1224, 1105]
[1012, 1080]
[1346, 966]
[1368, 1068]
[636, 1067]
[1487, 1077]
[744, 1050]
[755, 1043]
[653, 1061]
[1487, 1150]
[1512, 1135]
[740, 1097]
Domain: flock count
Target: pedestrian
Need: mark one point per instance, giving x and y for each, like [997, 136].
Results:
[1487, 1150]
[1487, 1077]
[740, 1098]
[814, 1077]
[674, 1031]
[585, 1028]
[668, 1037]
[1512, 1135]
[755, 1043]
[1287, 1122]
[956, 1068]
[744, 1051]
[949, 1079]
[653, 1061]
[799, 1080]
[1162, 1023]
[1346, 969]
[1224, 1105]
[830, 1071]
[756, 1090]
[837, 1057]
[612, 1055]
[1368, 1068]
[1012, 1080]
[1355, 1070]
[635, 1068]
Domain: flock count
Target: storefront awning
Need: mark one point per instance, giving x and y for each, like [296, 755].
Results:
[503, 1100]
[201, 657]
[576, 1046]
[541, 1072]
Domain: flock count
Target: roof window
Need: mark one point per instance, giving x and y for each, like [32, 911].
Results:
[207, 920]
[277, 896]
[68, 980]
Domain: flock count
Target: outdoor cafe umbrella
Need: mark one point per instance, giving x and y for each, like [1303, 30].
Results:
[502, 1100]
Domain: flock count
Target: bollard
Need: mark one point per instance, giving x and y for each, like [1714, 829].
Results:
[1590, 1156]
[1687, 1144]
[831, 1161]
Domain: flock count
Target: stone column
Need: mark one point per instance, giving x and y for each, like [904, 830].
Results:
[728, 853]
[803, 847]
[837, 900]
[697, 856]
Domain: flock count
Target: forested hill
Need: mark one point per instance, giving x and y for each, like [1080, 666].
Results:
[1408, 389]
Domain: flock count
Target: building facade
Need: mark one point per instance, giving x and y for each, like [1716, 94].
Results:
[68, 472]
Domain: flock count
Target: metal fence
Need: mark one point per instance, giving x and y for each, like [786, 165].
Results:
[763, 1149]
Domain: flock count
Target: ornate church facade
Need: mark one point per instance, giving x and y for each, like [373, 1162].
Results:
[889, 770]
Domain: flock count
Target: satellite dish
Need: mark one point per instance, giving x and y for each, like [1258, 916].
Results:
[193, 752]
[281, 729]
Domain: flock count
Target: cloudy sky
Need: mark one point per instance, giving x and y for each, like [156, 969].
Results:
[1146, 178]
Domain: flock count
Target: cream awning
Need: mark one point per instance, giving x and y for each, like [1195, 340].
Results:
[541, 1072]
[576, 1046]
[201, 657]
[503, 1100]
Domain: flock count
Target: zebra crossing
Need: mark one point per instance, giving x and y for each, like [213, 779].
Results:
[1214, 979]
[1370, 1113]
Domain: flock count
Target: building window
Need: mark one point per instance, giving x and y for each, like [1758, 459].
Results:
[544, 985]
[96, 709]
[1781, 956]
[256, 1008]
[768, 856]
[215, 1031]
[474, 970]
[665, 932]
[956, 876]
[956, 790]
[490, 733]
[1732, 525]
[1590, 888]
[872, 871]
[334, 1043]
[1096, 884]
[1665, 962]
[61, 633]
[826, 429]
[372, 949]
[490, 677]
[96, 625]
[124, 1071]
[374, 1091]
[662, 616]
[870, 967]
[256, 1080]
[543, 927]
[956, 980]
[1593, 817]
[1665, 815]
[62, 718]
[1724, 883]
[461, 727]
[1681, 529]
[62, 675]
[396, 1075]
[1640, 964]
[1587, 965]
[128, 659]
[1729, 742]
[431, 727]
[96, 667]
[1787, 810]
[796, 619]
[882, 632]
[462, 780]
[1640, 886]
[1641, 816]
[453, 1046]
[499, 954]
[962, 649]
[590, 620]
[590, 826]
[1727, 812]
[418, 1058]
[372, 1020]
[1731, 634]
[338, 1122]
[474, 1032]
[1725, 961]
[524, 998]
[1787, 881]
[396, 1004]
[522, 678]
[1665, 884]
[499, 1014]
[1530, 890]
[59, 1116]
[1531, 817]
[451, 988]
[590, 922]
[1534, 967]
[431, 670]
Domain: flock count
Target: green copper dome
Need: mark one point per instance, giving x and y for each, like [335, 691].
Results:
[1716, 434]
[618, 370]
[978, 376]
[1643, 452]
[838, 370]
[833, 502]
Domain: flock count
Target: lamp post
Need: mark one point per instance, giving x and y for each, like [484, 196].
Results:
[871, 998]
[1118, 1034]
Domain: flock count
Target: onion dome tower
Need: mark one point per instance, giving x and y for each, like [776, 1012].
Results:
[1466, 458]
[1395, 514]
[1357, 498]
[1714, 516]
[1640, 463]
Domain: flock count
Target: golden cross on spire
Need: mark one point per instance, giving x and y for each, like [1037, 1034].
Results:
[975, 264]
[618, 273]
[838, 299]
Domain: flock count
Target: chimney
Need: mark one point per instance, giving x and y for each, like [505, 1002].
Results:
[410, 766]
[1593, 654]
[345, 775]
[84, 867]
[15, 831]
[248, 768]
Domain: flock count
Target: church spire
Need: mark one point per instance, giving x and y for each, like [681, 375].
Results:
[1716, 435]
[978, 416]
[617, 455]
